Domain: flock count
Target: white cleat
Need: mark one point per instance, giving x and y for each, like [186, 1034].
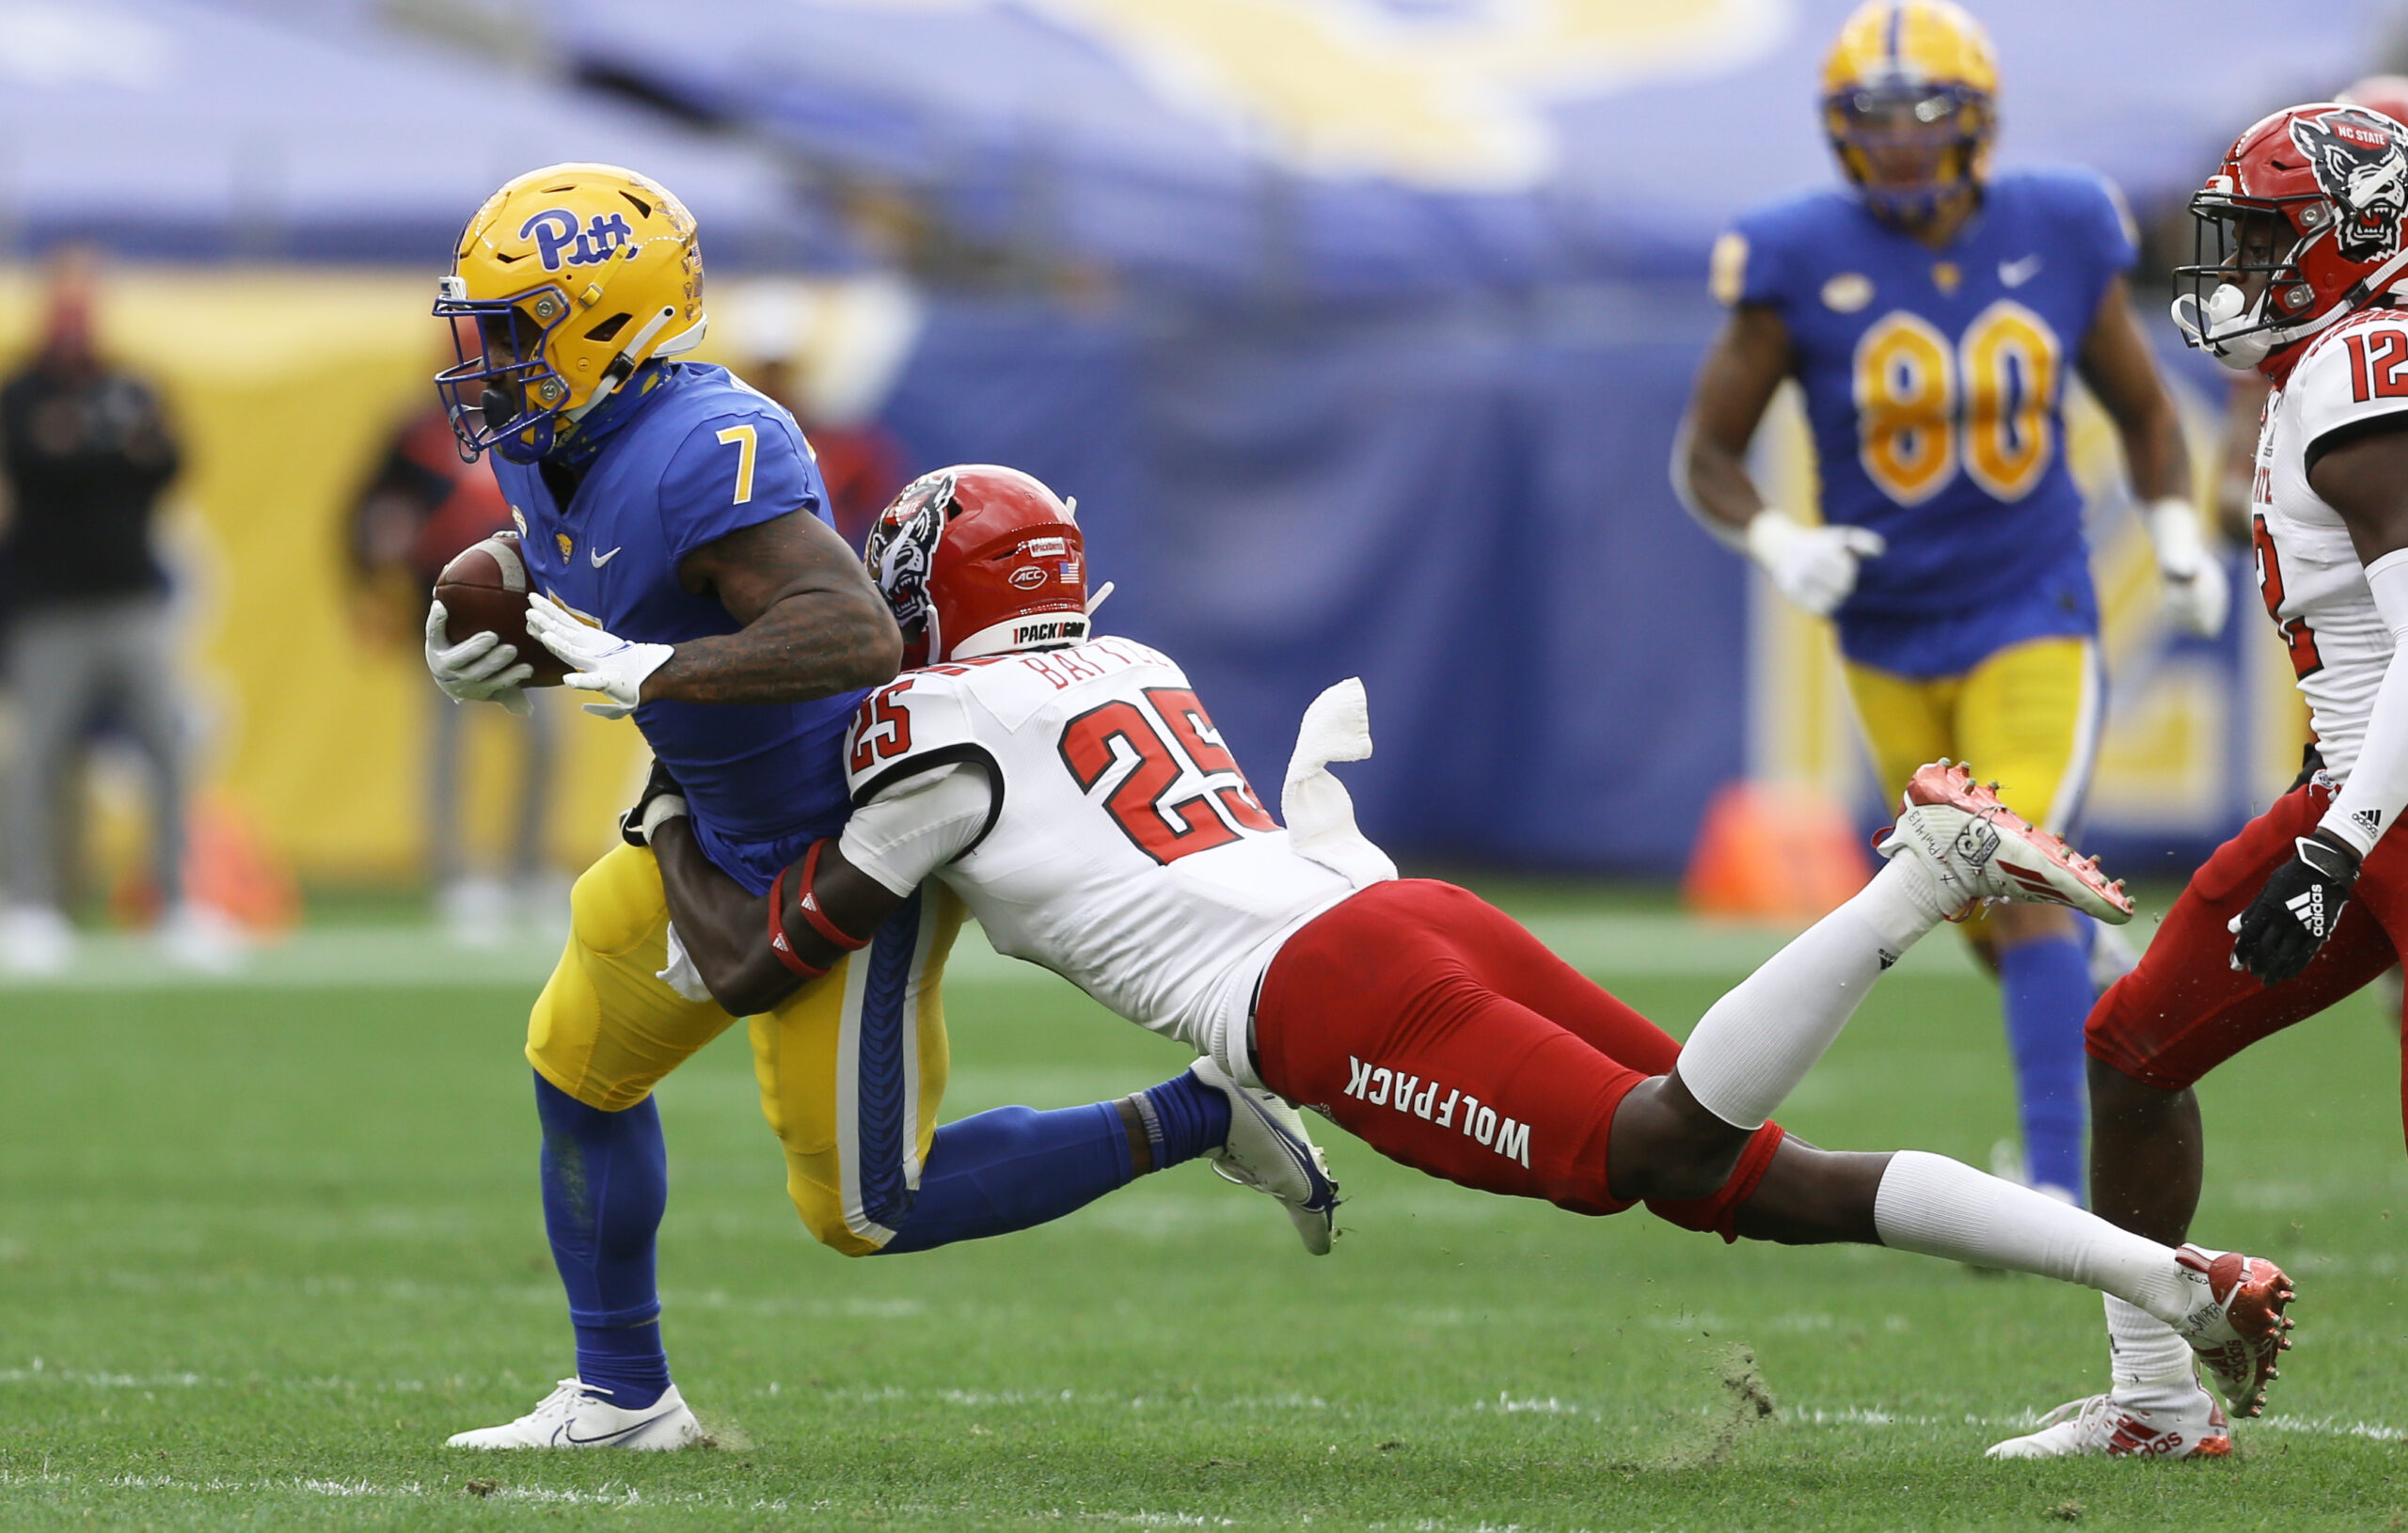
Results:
[1978, 850]
[35, 941]
[1269, 1151]
[578, 1415]
[2097, 1428]
[2237, 1322]
[203, 939]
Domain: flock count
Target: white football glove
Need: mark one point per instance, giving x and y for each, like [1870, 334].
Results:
[479, 668]
[2198, 594]
[598, 661]
[1814, 566]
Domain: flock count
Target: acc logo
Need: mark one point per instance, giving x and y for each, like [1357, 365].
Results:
[1847, 292]
[560, 242]
[1028, 576]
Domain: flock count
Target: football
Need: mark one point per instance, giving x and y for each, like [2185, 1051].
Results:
[485, 589]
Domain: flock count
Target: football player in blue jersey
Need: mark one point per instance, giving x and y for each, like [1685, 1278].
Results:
[669, 504]
[1931, 312]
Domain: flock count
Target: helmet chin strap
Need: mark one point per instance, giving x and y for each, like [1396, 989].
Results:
[623, 366]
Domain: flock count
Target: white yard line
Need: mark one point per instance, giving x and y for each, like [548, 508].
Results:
[1640, 945]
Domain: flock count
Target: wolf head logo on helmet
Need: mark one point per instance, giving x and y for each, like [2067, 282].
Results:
[2299, 226]
[2360, 164]
[903, 547]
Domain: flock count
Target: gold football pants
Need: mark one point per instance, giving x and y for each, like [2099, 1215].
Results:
[852, 1066]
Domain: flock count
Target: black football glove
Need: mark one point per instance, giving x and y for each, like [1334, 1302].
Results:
[658, 785]
[2297, 910]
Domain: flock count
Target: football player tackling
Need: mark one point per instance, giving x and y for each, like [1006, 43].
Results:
[1073, 790]
[1930, 315]
[2300, 258]
[677, 506]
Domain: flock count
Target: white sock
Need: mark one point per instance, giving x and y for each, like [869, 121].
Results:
[1756, 1043]
[1941, 1207]
[2151, 1366]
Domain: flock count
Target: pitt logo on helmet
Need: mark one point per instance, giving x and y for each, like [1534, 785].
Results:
[555, 230]
[576, 275]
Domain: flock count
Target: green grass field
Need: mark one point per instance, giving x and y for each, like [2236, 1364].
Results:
[262, 1245]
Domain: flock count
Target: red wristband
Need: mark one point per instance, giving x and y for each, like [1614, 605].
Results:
[836, 935]
[778, 943]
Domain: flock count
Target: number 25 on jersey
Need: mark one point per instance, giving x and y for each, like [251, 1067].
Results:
[1160, 771]
[1174, 791]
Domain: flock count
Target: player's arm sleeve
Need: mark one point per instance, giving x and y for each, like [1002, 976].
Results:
[919, 824]
[2370, 802]
[736, 471]
[2323, 389]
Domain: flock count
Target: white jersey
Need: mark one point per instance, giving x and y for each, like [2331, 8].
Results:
[1122, 847]
[2307, 569]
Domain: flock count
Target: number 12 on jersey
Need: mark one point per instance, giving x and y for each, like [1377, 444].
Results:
[1175, 790]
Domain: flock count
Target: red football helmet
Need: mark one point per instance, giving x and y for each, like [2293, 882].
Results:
[976, 560]
[2302, 221]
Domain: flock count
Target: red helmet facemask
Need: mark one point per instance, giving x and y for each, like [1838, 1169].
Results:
[2307, 207]
[978, 560]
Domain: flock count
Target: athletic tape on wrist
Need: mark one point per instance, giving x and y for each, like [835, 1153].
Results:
[778, 943]
[663, 808]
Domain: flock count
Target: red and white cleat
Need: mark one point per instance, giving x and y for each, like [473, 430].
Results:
[2237, 1323]
[2099, 1427]
[1979, 849]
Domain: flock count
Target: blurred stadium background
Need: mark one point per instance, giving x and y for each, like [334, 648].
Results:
[1359, 327]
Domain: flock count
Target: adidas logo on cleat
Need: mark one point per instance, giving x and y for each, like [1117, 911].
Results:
[2036, 882]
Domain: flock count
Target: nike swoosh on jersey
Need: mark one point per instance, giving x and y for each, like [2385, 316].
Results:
[2015, 272]
[600, 558]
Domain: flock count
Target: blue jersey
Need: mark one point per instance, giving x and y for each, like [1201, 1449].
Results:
[703, 457]
[1935, 385]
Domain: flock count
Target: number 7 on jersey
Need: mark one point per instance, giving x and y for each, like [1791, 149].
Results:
[746, 444]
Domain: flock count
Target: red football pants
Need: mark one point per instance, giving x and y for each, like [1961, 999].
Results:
[1427, 1022]
[2185, 1010]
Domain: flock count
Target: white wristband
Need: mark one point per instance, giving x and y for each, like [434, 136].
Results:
[2174, 528]
[660, 813]
[1768, 531]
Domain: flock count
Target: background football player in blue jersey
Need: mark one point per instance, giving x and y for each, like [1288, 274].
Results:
[1930, 315]
[670, 503]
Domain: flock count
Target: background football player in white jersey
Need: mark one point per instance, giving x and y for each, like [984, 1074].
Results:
[1074, 793]
[2299, 253]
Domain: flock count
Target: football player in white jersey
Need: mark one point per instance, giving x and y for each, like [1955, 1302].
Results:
[1073, 792]
[2300, 258]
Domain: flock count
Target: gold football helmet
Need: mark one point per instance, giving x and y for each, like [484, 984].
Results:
[1910, 102]
[574, 275]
